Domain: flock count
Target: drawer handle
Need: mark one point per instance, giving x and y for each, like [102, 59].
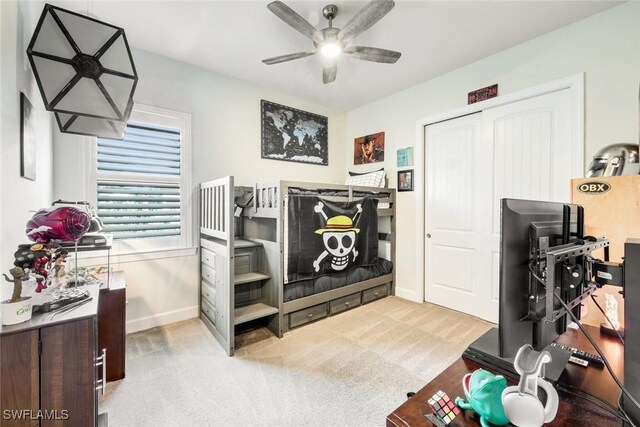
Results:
[346, 303]
[102, 361]
[375, 294]
[310, 315]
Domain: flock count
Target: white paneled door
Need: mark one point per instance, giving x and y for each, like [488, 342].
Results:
[519, 150]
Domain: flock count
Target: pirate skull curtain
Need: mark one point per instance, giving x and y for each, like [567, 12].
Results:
[324, 237]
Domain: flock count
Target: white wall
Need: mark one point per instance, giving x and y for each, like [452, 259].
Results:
[19, 196]
[605, 47]
[225, 118]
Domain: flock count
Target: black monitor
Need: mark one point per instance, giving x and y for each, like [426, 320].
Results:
[528, 229]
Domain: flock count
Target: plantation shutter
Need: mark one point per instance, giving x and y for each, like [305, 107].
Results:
[141, 197]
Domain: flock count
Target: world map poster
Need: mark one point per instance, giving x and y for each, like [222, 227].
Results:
[293, 135]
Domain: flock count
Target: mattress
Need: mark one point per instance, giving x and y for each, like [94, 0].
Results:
[341, 193]
[305, 288]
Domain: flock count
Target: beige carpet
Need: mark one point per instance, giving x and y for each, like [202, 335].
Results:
[348, 370]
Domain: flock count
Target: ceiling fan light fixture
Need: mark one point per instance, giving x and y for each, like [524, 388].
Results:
[330, 50]
[331, 42]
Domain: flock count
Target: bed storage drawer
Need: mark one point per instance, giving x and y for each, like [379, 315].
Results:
[345, 303]
[375, 293]
[207, 309]
[208, 292]
[307, 315]
[207, 257]
[208, 274]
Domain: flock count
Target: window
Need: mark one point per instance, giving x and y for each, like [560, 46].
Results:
[143, 182]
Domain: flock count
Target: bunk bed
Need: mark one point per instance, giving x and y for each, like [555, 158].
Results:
[249, 259]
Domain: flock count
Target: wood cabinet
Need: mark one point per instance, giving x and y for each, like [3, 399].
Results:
[68, 373]
[112, 325]
[48, 369]
[19, 381]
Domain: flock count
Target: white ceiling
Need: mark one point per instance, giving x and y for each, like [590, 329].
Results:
[232, 37]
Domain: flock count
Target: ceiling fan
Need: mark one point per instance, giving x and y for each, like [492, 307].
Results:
[330, 42]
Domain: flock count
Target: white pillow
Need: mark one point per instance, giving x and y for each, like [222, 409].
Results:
[373, 179]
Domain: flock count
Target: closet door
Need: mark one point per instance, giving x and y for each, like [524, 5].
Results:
[532, 159]
[454, 213]
[519, 150]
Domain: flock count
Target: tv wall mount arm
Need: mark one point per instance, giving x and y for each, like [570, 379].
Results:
[560, 254]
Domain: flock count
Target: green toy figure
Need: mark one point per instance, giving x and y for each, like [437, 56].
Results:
[484, 395]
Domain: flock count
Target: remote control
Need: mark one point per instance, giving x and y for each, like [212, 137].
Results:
[577, 361]
[589, 357]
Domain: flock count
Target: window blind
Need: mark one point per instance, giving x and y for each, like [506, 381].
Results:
[144, 149]
[133, 208]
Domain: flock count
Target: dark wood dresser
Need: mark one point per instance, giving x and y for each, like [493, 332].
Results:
[49, 369]
[112, 320]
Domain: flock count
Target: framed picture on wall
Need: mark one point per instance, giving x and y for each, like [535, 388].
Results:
[27, 139]
[368, 149]
[405, 157]
[405, 180]
[293, 135]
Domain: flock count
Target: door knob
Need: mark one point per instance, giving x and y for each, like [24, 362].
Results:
[428, 236]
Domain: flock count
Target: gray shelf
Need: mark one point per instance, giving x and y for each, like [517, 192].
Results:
[253, 312]
[250, 277]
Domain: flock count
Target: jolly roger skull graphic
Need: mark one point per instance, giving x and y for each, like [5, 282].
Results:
[339, 238]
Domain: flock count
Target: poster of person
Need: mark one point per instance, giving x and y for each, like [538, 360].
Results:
[294, 135]
[368, 149]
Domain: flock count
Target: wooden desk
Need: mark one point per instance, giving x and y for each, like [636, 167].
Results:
[573, 410]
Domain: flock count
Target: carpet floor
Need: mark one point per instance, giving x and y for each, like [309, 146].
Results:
[348, 370]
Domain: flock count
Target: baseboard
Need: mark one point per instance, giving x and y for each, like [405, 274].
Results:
[407, 294]
[136, 325]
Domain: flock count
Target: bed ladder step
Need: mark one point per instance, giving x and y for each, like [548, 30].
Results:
[253, 312]
[244, 243]
[250, 277]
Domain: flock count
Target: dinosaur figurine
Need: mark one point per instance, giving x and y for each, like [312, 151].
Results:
[483, 391]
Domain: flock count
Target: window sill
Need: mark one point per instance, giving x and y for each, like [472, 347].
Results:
[99, 257]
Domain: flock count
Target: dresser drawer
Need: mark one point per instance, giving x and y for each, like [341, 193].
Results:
[375, 293]
[208, 292]
[208, 310]
[307, 315]
[208, 274]
[207, 257]
[345, 303]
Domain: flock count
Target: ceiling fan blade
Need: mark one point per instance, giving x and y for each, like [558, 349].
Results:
[329, 70]
[373, 54]
[289, 16]
[365, 18]
[289, 57]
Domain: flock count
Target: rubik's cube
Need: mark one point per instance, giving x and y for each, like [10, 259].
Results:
[443, 407]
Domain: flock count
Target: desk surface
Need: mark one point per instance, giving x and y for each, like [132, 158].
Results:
[41, 320]
[573, 410]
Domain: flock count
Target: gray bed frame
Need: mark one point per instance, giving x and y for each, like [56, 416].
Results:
[242, 259]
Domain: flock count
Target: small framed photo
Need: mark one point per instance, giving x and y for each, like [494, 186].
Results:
[405, 180]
